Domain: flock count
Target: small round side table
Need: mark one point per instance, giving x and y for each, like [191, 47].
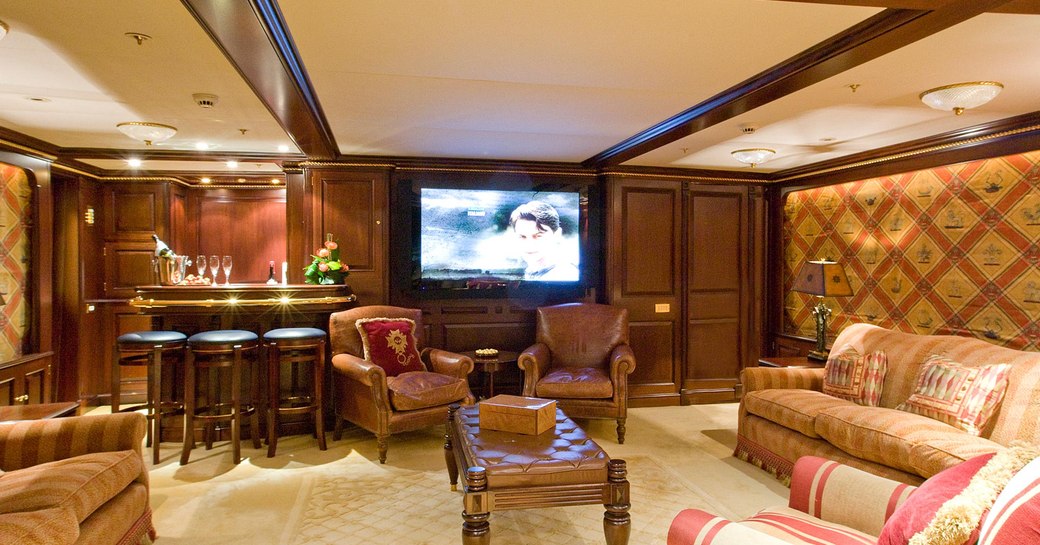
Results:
[490, 366]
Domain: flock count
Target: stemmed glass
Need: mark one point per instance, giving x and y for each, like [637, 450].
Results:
[226, 265]
[214, 264]
[200, 262]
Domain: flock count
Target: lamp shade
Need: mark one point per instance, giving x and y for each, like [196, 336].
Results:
[961, 96]
[753, 156]
[147, 132]
[822, 278]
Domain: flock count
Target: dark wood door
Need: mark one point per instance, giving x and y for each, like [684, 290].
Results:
[352, 205]
[644, 275]
[717, 284]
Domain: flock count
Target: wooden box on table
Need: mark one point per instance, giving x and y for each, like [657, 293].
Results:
[517, 414]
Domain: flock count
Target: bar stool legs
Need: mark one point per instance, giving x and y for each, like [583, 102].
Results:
[293, 346]
[220, 350]
[151, 349]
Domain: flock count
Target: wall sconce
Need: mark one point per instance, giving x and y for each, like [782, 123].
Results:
[88, 216]
[753, 156]
[147, 132]
[961, 96]
[822, 279]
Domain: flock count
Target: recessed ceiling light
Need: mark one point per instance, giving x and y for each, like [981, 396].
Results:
[284, 148]
[232, 164]
[133, 162]
[201, 146]
[828, 139]
[205, 180]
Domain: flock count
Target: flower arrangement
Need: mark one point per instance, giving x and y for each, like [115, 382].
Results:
[326, 268]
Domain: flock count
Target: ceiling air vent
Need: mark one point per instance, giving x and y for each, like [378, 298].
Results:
[205, 100]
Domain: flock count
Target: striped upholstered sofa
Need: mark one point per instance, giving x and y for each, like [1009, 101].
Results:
[785, 415]
[74, 480]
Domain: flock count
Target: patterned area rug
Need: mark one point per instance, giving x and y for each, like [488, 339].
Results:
[360, 503]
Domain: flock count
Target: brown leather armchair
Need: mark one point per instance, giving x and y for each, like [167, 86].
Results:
[581, 358]
[410, 401]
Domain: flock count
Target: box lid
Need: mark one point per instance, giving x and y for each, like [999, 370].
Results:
[508, 403]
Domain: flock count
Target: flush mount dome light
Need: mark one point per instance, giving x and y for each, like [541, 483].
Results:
[753, 156]
[149, 133]
[961, 96]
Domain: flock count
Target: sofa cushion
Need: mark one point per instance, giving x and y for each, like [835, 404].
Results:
[964, 397]
[575, 383]
[80, 484]
[421, 389]
[880, 435]
[793, 409]
[1015, 515]
[855, 377]
[919, 510]
[390, 343]
[54, 526]
[938, 452]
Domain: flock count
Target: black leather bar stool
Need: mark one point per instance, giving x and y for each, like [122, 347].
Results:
[209, 353]
[151, 349]
[292, 346]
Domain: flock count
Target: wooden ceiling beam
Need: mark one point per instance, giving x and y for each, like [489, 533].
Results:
[254, 37]
[876, 36]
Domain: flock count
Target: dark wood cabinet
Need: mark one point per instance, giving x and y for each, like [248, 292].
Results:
[26, 380]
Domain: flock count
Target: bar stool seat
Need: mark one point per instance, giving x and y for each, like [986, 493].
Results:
[209, 352]
[292, 346]
[151, 349]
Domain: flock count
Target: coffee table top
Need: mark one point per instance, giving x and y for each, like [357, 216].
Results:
[564, 455]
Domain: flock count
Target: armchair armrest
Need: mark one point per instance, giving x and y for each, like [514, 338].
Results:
[447, 363]
[691, 525]
[622, 360]
[845, 495]
[534, 362]
[765, 378]
[364, 372]
[25, 444]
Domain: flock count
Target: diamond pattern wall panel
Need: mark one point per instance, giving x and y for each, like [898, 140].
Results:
[950, 250]
[15, 219]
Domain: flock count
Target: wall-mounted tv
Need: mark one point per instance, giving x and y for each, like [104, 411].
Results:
[483, 238]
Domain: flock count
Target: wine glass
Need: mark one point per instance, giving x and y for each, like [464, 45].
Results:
[214, 263]
[200, 262]
[226, 265]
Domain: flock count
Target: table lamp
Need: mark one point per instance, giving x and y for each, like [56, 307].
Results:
[822, 279]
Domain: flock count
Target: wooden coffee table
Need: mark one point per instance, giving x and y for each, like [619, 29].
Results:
[38, 411]
[559, 467]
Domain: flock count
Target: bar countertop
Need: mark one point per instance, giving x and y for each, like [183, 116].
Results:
[295, 296]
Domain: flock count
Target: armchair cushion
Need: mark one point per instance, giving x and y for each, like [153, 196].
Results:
[575, 383]
[421, 389]
[390, 343]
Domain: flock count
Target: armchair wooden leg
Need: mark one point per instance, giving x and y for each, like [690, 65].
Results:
[337, 430]
[621, 430]
[382, 443]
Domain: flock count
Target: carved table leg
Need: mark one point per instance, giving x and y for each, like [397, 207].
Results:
[476, 530]
[449, 453]
[617, 523]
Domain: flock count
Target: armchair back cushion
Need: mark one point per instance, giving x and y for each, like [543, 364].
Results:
[344, 335]
[581, 335]
[390, 343]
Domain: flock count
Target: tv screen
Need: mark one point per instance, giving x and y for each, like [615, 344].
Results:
[499, 236]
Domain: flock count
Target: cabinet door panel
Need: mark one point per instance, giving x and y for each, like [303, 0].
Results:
[127, 265]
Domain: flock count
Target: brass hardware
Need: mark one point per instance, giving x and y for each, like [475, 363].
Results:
[24, 398]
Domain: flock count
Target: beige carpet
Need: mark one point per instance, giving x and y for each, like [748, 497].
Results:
[677, 457]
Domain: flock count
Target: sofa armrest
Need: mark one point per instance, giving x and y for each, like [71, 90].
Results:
[845, 495]
[766, 378]
[25, 444]
[690, 525]
[447, 363]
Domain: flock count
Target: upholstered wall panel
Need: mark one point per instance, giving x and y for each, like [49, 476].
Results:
[15, 217]
[949, 250]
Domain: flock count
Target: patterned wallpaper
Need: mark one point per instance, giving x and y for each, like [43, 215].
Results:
[15, 218]
[949, 250]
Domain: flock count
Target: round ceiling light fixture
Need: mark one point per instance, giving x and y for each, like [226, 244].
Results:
[961, 96]
[147, 132]
[753, 156]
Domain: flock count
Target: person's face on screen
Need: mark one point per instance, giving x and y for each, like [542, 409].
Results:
[538, 245]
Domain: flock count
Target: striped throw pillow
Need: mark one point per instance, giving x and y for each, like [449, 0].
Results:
[964, 397]
[1015, 515]
[857, 378]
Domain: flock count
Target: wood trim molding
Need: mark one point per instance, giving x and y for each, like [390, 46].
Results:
[868, 40]
[240, 30]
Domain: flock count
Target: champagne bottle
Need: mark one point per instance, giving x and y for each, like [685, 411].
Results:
[270, 273]
[161, 249]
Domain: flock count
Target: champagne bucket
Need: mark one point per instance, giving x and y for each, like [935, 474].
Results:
[170, 269]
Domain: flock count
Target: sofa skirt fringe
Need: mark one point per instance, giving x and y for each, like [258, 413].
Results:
[761, 457]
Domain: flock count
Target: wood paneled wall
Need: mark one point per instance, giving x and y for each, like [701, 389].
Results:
[248, 225]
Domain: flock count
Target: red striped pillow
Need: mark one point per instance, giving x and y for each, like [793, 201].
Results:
[1015, 515]
[859, 379]
[964, 397]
